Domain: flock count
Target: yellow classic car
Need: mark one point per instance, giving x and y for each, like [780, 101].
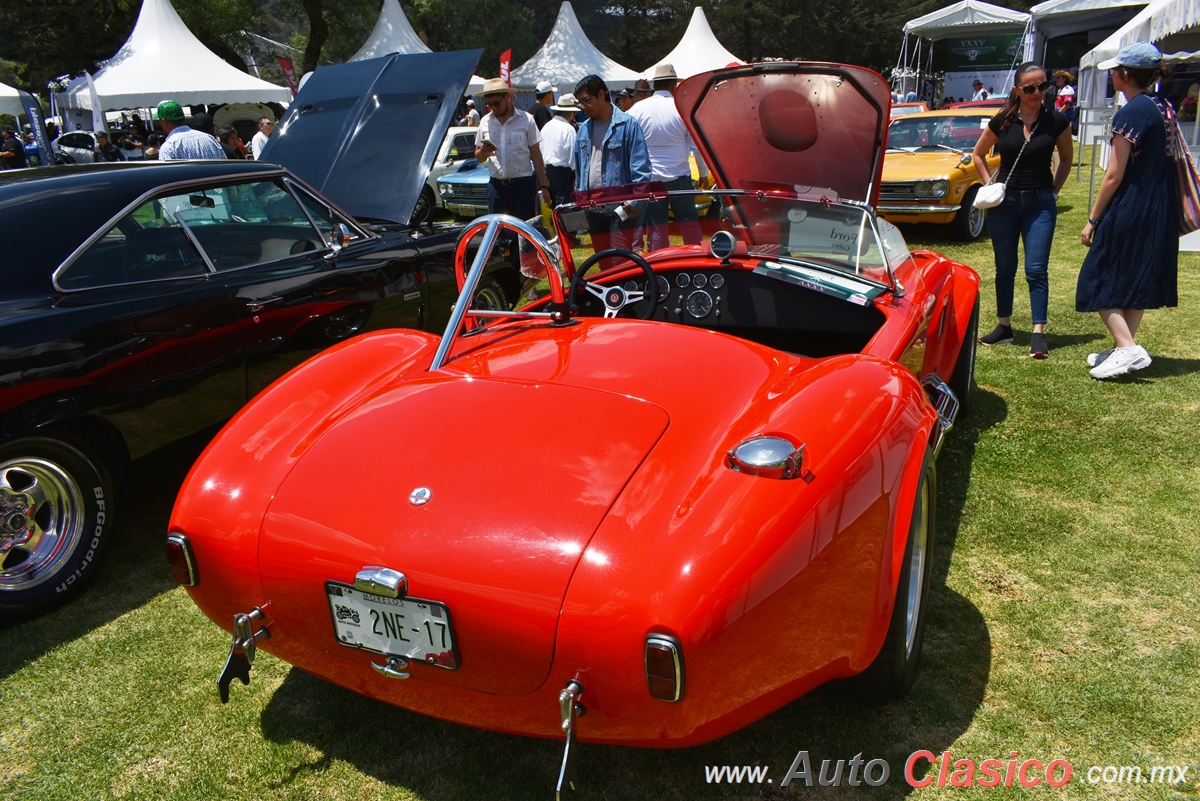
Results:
[928, 175]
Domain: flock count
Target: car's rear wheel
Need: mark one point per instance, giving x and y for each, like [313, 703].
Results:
[962, 380]
[491, 295]
[894, 670]
[969, 222]
[56, 517]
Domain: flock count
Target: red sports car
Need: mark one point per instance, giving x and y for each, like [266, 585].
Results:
[674, 494]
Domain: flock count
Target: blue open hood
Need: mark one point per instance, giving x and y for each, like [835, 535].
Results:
[366, 133]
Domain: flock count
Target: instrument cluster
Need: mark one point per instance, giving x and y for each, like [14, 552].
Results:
[697, 295]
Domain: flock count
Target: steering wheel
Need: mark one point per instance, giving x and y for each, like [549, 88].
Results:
[616, 298]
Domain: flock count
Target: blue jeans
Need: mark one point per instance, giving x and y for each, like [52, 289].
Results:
[1028, 215]
[686, 216]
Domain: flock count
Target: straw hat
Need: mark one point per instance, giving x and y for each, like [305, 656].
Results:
[496, 86]
[566, 103]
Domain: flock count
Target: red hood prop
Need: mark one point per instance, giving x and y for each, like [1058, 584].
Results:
[807, 124]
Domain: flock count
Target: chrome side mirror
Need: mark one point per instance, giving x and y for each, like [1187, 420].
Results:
[338, 237]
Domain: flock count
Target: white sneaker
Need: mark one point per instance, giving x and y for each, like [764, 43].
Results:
[1095, 358]
[1121, 361]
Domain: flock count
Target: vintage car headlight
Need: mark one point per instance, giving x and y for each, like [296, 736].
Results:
[931, 188]
[447, 190]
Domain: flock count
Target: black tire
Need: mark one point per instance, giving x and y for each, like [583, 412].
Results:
[425, 208]
[962, 380]
[491, 296]
[969, 222]
[57, 497]
[894, 670]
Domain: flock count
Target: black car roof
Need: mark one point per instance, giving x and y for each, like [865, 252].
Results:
[50, 211]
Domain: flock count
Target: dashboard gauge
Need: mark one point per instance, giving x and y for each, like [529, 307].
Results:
[699, 281]
[683, 279]
[631, 286]
[664, 288]
[699, 304]
[717, 281]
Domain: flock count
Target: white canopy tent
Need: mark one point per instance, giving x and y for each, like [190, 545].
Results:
[393, 33]
[163, 60]
[964, 19]
[1173, 25]
[1057, 17]
[567, 56]
[10, 101]
[698, 51]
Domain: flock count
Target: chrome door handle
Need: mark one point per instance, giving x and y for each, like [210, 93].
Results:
[258, 304]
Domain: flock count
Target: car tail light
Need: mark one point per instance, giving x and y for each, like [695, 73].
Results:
[183, 564]
[664, 667]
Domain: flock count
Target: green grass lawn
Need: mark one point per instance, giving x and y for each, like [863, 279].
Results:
[1063, 622]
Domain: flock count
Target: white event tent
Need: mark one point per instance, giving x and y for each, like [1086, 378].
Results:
[1173, 25]
[393, 33]
[10, 101]
[698, 51]
[163, 60]
[1058, 17]
[567, 56]
[964, 19]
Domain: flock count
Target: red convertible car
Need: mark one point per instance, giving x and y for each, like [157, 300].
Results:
[650, 507]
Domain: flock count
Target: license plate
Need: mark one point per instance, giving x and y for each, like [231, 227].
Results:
[466, 211]
[417, 630]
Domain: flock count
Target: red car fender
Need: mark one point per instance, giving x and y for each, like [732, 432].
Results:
[772, 587]
[221, 505]
[955, 288]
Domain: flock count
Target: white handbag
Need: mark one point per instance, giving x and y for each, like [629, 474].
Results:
[992, 193]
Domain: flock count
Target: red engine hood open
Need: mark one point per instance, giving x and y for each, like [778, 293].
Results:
[520, 476]
[802, 123]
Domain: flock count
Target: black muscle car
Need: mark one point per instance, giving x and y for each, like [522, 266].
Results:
[142, 303]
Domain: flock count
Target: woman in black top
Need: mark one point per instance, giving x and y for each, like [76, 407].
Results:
[1030, 209]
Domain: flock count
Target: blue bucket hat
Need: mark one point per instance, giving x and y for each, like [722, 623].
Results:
[1139, 56]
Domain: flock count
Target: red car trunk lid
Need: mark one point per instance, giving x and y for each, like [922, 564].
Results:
[520, 475]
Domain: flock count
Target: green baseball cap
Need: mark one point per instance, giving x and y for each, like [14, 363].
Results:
[170, 111]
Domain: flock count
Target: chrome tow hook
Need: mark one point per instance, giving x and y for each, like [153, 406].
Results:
[241, 653]
[393, 669]
[570, 709]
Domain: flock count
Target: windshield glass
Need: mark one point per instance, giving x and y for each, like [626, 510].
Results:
[959, 132]
[832, 236]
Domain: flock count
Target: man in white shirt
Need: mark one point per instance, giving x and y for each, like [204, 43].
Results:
[558, 149]
[980, 92]
[508, 141]
[669, 144]
[265, 127]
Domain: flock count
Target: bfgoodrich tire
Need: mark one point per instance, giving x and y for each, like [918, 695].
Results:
[894, 670]
[962, 380]
[56, 521]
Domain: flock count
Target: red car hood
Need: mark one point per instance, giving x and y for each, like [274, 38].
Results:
[806, 124]
[496, 543]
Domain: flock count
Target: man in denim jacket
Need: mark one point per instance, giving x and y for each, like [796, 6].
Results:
[617, 139]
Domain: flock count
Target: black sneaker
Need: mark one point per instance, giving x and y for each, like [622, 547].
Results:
[1038, 348]
[1001, 335]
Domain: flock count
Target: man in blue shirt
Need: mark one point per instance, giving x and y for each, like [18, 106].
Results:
[182, 142]
[610, 150]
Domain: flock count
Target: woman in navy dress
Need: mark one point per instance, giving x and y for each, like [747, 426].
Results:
[1133, 228]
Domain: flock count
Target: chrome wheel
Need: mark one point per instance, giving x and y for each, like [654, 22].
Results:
[975, 221]
[915, 592]
[41, 521]
[490, 296]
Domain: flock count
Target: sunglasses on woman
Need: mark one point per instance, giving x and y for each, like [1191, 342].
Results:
[1030, 88]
